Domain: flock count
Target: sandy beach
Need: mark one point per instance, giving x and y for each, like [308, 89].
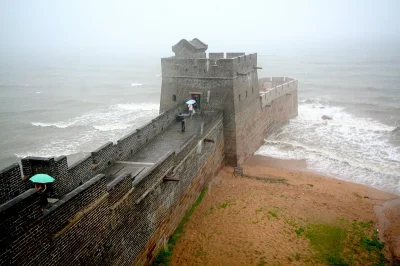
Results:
[282, 214]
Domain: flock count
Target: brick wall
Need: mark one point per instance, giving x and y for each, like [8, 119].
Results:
[194, 173]
[259, 124]
[11, 183]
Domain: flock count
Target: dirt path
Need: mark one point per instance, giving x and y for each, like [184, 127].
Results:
[244, 221]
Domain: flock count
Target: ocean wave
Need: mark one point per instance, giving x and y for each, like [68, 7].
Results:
[136, 107]
[57, 125]
[112, 127]
[136, 84]
[100, 119]
[298, 151]
[349, 147]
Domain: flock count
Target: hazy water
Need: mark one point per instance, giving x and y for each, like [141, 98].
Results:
[54, 106]
[360, 90]
[65, 105]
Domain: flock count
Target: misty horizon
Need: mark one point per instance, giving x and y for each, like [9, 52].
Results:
[148, 28]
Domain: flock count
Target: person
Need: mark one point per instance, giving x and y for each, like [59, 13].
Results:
[43, 197]
[41, 187]
[190, 106]
[183, 124]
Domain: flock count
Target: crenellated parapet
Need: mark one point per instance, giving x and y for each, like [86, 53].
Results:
[11, 182]
[217, 66]
[275, 87]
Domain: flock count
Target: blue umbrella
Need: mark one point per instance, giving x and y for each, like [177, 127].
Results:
[191, 102]
[41, 178]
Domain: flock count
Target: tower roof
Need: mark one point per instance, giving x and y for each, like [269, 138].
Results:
[194, 45]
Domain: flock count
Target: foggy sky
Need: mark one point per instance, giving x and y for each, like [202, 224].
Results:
[148, 26]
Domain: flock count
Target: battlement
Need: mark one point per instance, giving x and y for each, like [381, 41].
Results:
[274, 87]
[216, 66]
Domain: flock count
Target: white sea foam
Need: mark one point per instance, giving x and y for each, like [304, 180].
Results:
[136, 107]
[347, 147]
[111, 127]
[94, 128]
[136, 84]
[104, 119]
[58, 124]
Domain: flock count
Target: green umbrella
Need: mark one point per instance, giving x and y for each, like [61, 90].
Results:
[42, 178]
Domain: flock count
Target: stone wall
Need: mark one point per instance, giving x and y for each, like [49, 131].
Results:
[263, 118]
[11, 183]
[195, 172]
[115, 223]
[219, 81]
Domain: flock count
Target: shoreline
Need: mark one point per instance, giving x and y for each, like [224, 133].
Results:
[304, 196]
[299, 165]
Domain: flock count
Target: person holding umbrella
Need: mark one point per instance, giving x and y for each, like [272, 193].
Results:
[190, 107]
[40, 181]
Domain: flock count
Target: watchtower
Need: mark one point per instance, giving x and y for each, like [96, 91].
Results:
[222, 82]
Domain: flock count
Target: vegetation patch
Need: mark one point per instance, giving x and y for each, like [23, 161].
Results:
[273, 213]
[344, 243]
[299, 231]
[164, 255]
[225, 204]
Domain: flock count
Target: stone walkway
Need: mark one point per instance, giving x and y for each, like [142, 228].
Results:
[170, 140]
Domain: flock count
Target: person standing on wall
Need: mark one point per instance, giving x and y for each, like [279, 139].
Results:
[183, 122]
[190, 106]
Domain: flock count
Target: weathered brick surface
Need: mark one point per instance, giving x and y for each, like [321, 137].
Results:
[191, 186]
[119, 187]
[104, 156]
[11, 183]
[258, 124]
[81, 171]
[63, 184]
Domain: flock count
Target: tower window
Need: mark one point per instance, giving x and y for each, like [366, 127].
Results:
[174, 97]
[246, 94]
[239, 97]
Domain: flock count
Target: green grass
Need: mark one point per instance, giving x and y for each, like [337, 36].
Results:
[273, 213]
[164, 255]
[344, 243]
[328, 241]
[299, 231]
[225, 204]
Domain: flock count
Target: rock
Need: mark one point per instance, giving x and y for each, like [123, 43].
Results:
[326, 117]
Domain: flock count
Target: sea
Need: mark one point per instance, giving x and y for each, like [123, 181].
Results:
[70, 105]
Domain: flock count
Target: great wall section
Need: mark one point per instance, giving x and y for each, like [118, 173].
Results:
[120, 204]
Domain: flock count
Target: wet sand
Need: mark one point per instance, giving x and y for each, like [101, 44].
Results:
[244, 221]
